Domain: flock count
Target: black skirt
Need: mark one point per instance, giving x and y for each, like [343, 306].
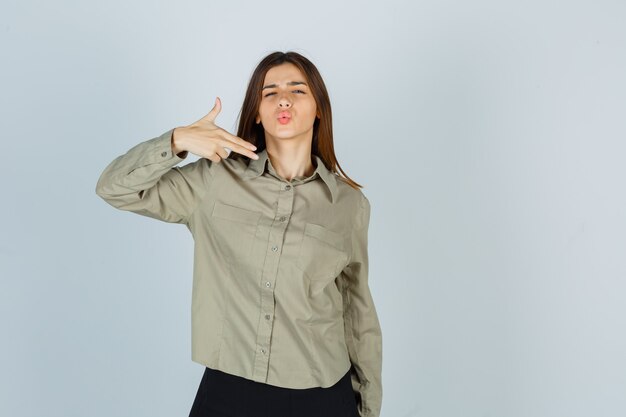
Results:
[224, 395]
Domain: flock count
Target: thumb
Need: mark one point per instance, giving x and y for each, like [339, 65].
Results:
[214, 111]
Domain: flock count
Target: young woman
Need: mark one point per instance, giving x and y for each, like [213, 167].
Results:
[282, 316]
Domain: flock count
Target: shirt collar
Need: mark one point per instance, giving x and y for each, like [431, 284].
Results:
[257, 167]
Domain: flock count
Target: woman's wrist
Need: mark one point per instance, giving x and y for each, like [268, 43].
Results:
[175, 145]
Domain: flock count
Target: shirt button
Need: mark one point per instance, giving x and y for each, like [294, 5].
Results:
[163, 154]
[274, 248]
[287, 187]
[262, 350]
[268, 284]
[283, 218]
[267, 316]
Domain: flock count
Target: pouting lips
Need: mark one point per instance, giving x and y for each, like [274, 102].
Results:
[284, 117]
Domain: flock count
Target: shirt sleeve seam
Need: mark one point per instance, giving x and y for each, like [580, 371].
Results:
[201, 198]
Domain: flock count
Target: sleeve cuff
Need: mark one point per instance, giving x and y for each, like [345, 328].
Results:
[162, 153]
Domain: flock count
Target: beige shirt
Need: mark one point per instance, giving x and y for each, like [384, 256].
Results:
[280, 279]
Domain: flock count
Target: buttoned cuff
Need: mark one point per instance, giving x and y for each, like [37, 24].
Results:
[162, 153]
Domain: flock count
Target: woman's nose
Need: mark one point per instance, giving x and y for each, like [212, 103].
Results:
[284, 102]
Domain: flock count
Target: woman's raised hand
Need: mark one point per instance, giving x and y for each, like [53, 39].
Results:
[207, 140]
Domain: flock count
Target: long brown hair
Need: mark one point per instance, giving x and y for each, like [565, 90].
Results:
[322, 144]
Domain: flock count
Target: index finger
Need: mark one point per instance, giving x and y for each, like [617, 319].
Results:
[234, 146]
[237, 140]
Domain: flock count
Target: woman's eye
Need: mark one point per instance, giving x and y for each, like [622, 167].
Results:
[294, 91]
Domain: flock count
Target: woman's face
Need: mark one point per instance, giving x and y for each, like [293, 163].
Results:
[287, 110]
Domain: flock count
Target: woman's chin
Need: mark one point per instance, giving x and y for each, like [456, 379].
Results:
[283, 134]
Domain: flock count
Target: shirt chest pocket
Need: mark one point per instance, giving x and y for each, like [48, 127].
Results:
[235, 229]
[322, 255]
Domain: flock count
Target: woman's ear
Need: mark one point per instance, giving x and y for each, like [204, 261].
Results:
[258, 119]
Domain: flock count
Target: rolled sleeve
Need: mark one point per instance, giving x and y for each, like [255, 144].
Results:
[362, 328]
[146, 181]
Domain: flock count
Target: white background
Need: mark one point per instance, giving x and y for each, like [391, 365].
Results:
[489, 136]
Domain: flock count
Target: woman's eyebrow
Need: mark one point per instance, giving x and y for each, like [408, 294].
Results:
[289, 83]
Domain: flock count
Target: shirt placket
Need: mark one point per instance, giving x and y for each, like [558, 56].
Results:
[268, 282]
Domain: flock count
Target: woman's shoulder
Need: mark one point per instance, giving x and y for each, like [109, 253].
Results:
[354, 196]
[235, 164]
[344, 187]
[211, 168]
